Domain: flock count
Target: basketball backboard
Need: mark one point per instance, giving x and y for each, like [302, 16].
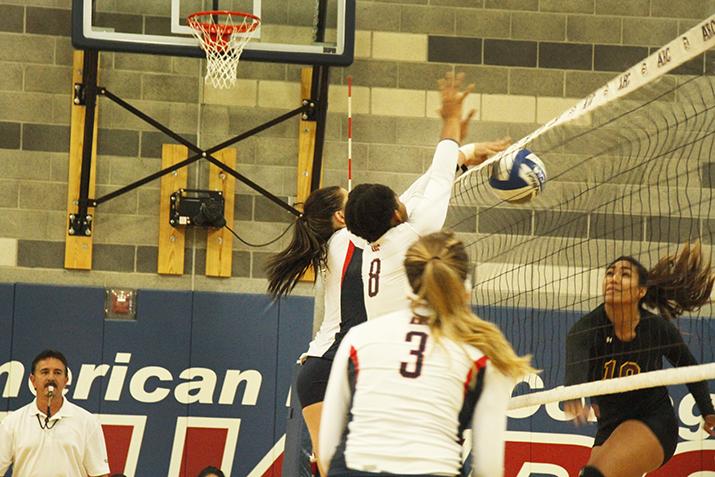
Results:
[288, 31]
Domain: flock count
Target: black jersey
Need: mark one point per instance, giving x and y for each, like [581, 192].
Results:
[594, 352]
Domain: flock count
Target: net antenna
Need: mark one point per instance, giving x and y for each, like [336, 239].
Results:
[222, 35]
[350, 133]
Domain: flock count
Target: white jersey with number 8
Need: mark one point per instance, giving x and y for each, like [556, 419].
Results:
[383, 273]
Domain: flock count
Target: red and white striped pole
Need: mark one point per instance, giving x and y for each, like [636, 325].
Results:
[350, 133]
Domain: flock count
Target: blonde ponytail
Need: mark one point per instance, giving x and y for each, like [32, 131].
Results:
[437, 268]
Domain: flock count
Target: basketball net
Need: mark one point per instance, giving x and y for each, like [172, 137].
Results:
[222, 35]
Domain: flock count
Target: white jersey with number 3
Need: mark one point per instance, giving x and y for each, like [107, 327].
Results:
[427, 200]
[397, 402]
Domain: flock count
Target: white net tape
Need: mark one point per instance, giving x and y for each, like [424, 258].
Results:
[663, 377]
[223, 35]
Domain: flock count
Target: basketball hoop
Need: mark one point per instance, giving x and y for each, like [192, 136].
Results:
[222, 35]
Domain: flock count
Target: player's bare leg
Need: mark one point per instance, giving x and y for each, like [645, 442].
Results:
[311, 414]
[631, 451]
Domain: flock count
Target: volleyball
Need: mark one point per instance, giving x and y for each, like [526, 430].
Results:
[518, 178]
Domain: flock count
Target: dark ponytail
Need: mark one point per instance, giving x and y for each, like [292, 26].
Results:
[308, 247]
[677, 283]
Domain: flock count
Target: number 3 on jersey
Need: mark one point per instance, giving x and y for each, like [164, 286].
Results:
[419, 352]
[373, 282]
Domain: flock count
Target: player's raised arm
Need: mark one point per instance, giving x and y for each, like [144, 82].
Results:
[453, 96]
[427, 204]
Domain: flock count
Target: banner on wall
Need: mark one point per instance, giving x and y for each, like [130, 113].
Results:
[204, 379]
[197, 379]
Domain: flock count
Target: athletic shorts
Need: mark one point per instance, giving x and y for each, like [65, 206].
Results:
[663, 423]
[338, 468]
[359, 473]
[313, 380]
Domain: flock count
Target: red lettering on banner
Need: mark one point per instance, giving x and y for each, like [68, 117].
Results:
[276, 468]
[691, 457]
[569, 456]
[687, 463]
[202, 447]
[118, 440]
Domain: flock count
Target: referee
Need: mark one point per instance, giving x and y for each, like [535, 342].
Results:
[51, 437]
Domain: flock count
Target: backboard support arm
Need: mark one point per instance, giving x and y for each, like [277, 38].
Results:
[200, 153]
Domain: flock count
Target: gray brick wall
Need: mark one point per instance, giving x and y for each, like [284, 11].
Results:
[540, 49]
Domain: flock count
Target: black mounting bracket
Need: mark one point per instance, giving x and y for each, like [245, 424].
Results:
[79, 96]
[196, 207]
[80, 225]
[311, 113]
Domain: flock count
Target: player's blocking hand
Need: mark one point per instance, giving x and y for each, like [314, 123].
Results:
[464, 125]
[478, 152]
[576, 411]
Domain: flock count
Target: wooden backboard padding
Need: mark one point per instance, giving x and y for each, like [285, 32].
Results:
[170, 259]
[78, 249]
[306, 151]
[219, 242]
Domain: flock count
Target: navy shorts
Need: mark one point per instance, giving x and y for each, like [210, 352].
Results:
[338, 468]
[359, 473]
[313, 380]
[663, 423]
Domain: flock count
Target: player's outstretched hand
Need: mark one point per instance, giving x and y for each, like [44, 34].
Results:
[464, 125]
[576, 411]
[478, 152]
[453, 96]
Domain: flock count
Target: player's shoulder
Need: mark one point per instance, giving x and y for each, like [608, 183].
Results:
[357, 241]
[656, 321]
[340, 238]
[340, 242]
[398, 237]
[598, 313]
[344, 236]
[473, 353]
[590, 320]
[381, 324]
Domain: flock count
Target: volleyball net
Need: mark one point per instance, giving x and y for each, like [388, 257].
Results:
[630, 172]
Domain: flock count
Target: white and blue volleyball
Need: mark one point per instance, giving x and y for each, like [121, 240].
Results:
[519, 177]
